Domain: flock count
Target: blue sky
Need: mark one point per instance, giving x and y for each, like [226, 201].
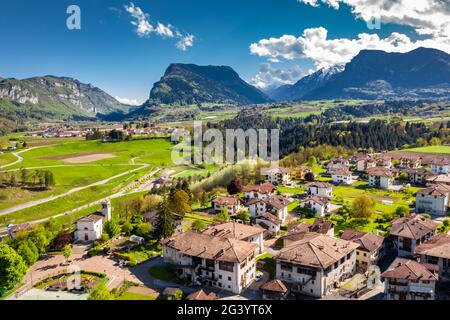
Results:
[109, 52]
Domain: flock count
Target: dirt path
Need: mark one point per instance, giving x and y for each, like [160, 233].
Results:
[19, 158]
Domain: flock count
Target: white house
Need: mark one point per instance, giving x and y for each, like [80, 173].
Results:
[433, 200]
[409, 280]
[270, 222]
[409, 232]
[322, 189]
[332, 167]
[440, 166]
[231, 203]
[259, 191]
[370, 250]
[342, 175]
[380, 177]
[276, 205]
[316, 264]
[436, 251]
[277, 176]
[90, 228]
[224, 263]
[240, 231]
[319, 205]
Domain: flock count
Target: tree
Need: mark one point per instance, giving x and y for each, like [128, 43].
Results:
[362, 207]
[435, 141]
[402, 211]
[100, 292]
[177, 295]
[403, 177]
[179, 203]
[243, 215]
[28, 251]
[112, 228]
[12, 268]
[309, 176]
[62, 240]
[203, 199]
[67, 252]
[198, 225]
[39, 237]
[312, 161]
[143, 229]
[49, 179]
[24, 176]
[127, 227]
[235, 186]
[165, 221]
[223, 216]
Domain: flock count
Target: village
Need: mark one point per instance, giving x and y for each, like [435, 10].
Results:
[285, 238]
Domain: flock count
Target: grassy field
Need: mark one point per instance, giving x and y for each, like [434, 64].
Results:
[135, 296]
[431, 149]
[6, 158]
[152, 151]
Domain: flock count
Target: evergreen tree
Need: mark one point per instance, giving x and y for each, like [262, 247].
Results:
[165, 221]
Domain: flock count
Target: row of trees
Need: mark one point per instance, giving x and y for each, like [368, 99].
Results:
[27, 179]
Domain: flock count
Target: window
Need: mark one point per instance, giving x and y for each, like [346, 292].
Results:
[229, 278]
[349, 256]
[226, 266]
[220, 276]
[285, 266]
[342, 260]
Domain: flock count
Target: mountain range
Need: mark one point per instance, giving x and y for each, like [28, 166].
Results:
[374, 74]
[185, 84]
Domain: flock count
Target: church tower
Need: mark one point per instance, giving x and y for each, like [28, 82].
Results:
[106, 210]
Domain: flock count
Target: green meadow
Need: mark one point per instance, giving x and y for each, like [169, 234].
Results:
[431, 149]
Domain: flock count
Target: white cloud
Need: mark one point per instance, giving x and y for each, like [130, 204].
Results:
[165, 31]
[131, 102]
[185, 42]
[270, 77]
[431, 17]
[145, 27]
[315, 45]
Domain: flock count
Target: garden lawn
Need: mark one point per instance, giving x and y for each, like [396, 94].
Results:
[141, 253]
[6, 158]
[162, 273]
[135, 296]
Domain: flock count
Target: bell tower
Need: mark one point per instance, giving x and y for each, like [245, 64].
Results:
[106, 210]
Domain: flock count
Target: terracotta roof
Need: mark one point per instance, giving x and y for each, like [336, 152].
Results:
[233, 230]
[342, 171]
[367, 241]
[316, 250]
[226, 200]
[438, 179]
[201, 295]
[339, 160]
[304, 168]
[275, 286]
[205, 246]
[295, 235]
[277, 170]
[440, 190]
[336, 166]
[278, 202]
[321, 226]
[409, 270]
[320, 200]
[260, 188]
[318, 185]
[20, 227]
[379, 172]
[93, 217]
[413, 226]
[272, 218]
[299, 226]
[436, 246]
[440, 162]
